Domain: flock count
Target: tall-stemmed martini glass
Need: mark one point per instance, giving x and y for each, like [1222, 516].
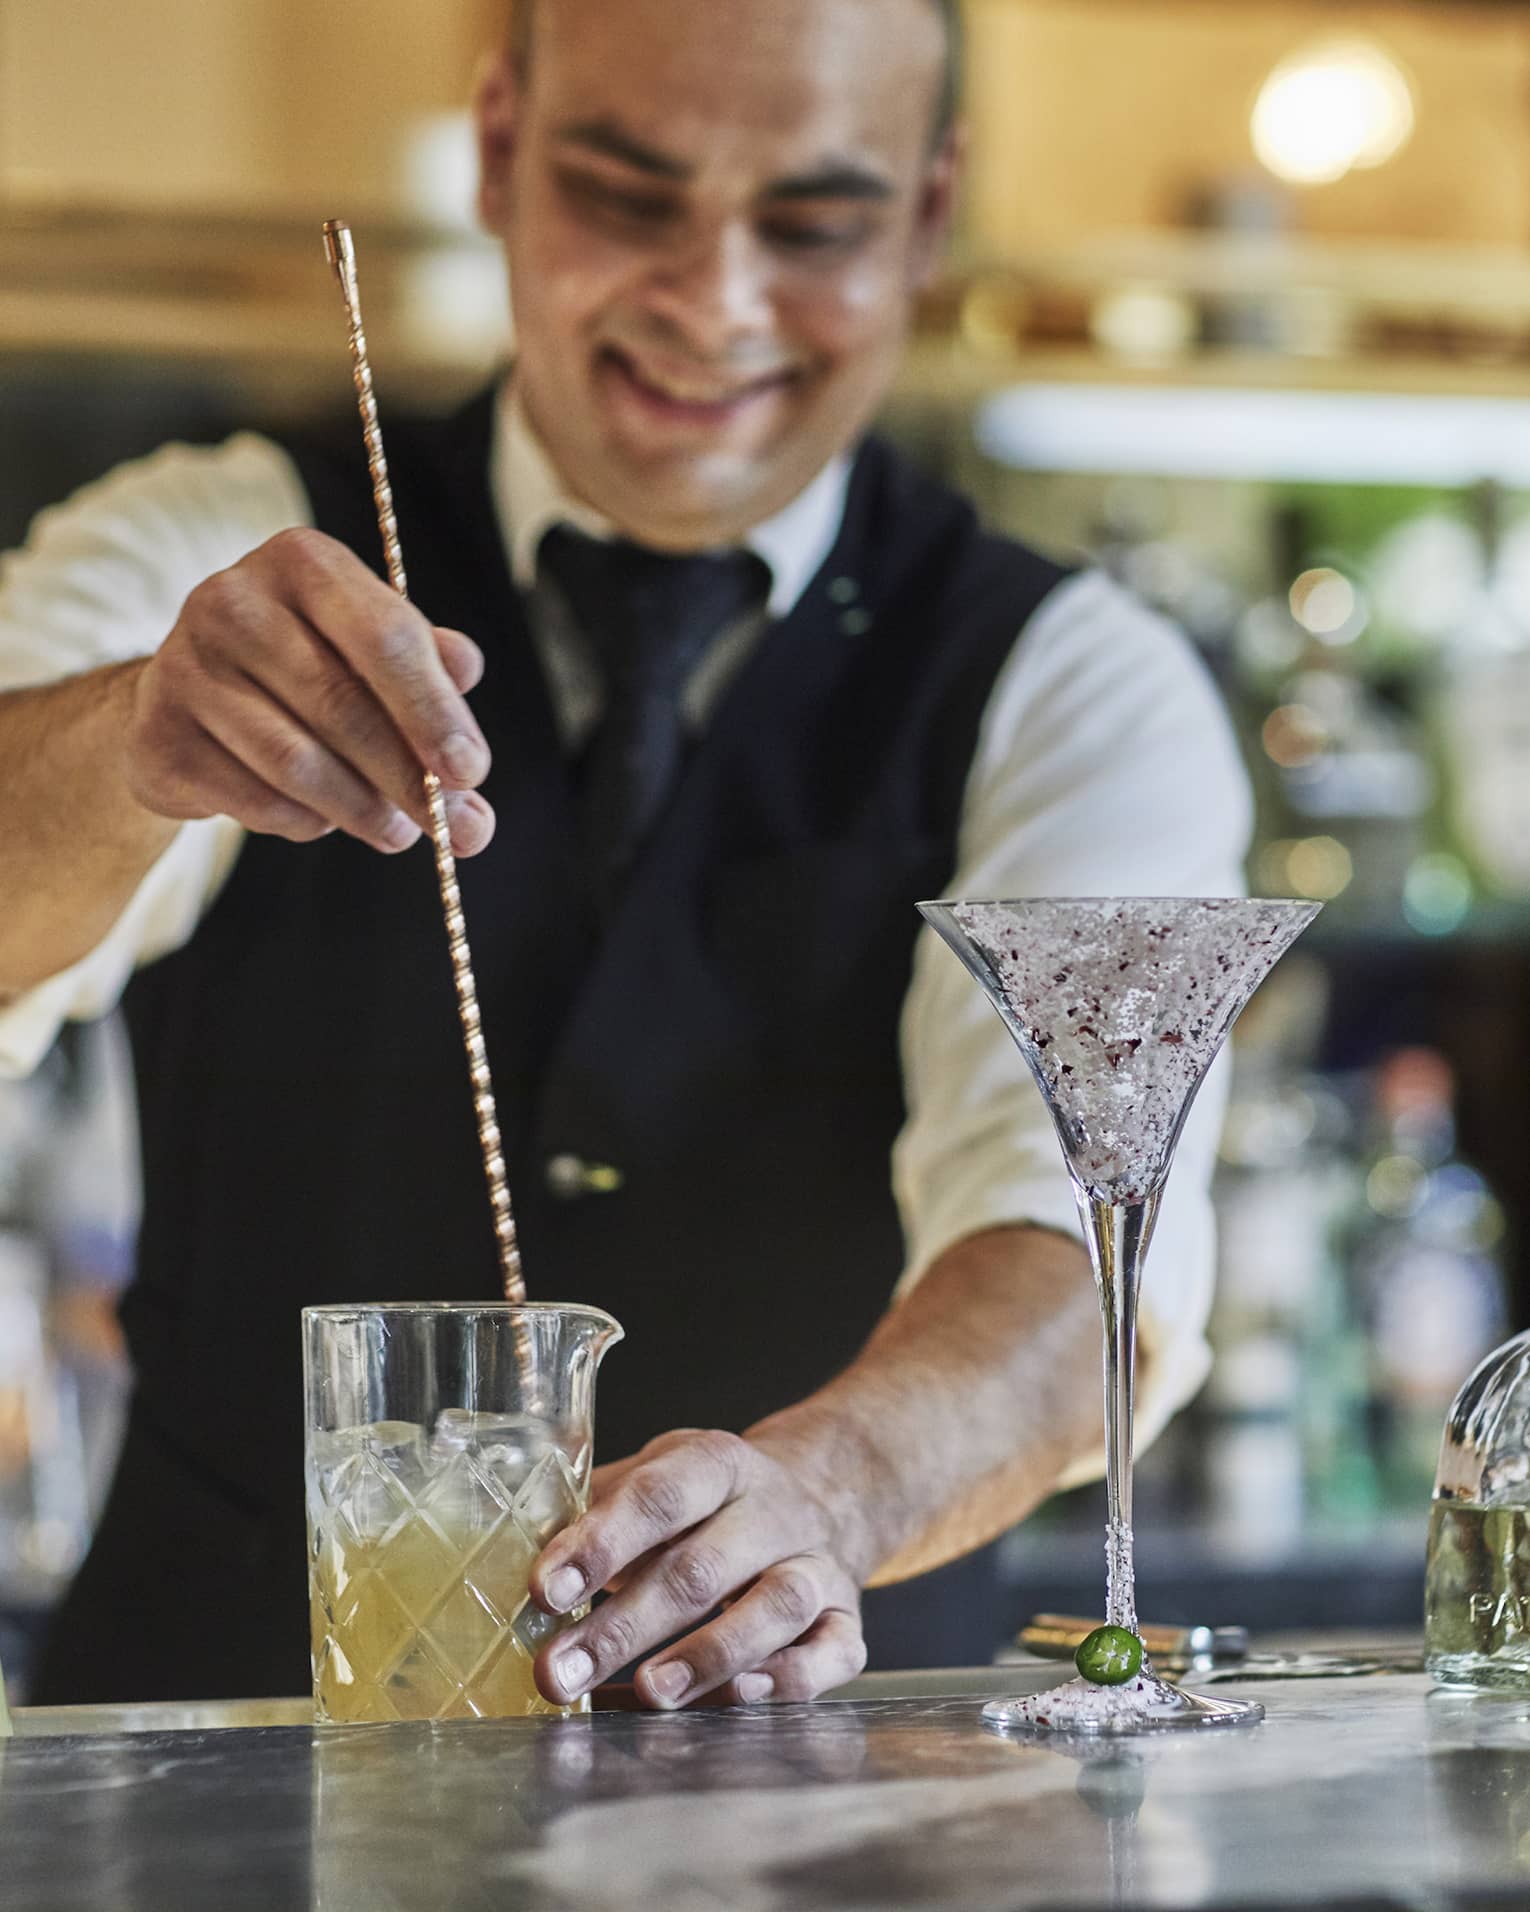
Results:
[1119, 1006]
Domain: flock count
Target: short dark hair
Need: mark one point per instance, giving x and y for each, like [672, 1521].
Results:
[948, 101]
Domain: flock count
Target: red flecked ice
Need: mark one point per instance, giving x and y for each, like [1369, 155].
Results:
[1119, 1005]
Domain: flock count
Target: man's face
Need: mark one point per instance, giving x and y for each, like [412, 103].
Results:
[714, 215]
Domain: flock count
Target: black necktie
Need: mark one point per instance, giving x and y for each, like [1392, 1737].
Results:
[648, 617]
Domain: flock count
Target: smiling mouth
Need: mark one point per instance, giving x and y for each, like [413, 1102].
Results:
[700, 401]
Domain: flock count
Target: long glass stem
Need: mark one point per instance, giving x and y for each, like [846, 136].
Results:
[1118, 1234]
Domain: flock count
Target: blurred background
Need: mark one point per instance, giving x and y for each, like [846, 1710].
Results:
[1240, 307]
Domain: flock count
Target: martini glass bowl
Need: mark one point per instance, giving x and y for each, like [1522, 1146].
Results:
[1119, 1006]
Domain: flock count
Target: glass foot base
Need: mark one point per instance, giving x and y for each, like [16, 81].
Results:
[1144, 1705]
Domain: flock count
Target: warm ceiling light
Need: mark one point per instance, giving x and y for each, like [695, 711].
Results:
[1330, 109]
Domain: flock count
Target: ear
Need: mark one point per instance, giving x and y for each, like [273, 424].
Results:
[496, 113]
[937, 202]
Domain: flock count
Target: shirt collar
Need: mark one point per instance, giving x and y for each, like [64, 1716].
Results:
[530, 498]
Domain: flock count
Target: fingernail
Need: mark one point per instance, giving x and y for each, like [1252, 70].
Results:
[474, 657]
[755, 1686]
[669, 1683]
[462, 760]
[471, 822]
[575, 1671]
[399, 832]
[564, 1588]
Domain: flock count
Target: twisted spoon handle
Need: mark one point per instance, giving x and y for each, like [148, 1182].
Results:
[341, 250]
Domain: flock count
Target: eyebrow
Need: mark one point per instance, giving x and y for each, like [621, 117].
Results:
[834, 179]
[609, 140]
[841, 179]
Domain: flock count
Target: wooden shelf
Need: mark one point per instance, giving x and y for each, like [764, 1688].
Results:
[249, 292]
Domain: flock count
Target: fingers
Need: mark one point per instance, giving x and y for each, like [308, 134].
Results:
[680, 1585]
[320, 684]
[347, 718]
[254, 729]
[805, 1603]
[828, 1655]
[471, 822]
[664, 1494]
[327, 699]
[700, 1527]
[390, 647]
[251, 801]
[462, 658]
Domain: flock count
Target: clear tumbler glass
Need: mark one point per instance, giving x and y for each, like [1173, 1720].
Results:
[447, 1442]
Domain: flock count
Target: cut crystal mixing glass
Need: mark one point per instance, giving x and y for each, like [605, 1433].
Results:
[446, 1444]
[1119, 1006]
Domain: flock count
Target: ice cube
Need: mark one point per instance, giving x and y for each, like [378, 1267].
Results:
[459, 1427]
[506, 1447]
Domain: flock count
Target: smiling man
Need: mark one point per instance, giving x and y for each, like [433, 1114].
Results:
[719, 688]
[713, 236]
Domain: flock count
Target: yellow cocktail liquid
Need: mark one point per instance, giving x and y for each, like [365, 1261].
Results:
[417, 1576]
[427, 1625]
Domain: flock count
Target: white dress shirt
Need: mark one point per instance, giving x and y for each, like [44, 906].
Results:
[1105, 765]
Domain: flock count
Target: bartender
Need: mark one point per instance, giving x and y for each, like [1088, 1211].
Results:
[719, 687]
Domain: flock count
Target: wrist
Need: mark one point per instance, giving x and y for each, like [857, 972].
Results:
[845, 1473]
[123, 692]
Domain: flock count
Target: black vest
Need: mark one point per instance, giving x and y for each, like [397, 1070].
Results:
[728, 1042]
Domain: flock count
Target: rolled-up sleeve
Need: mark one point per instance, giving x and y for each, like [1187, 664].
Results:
[101, 580]
[1105, 766]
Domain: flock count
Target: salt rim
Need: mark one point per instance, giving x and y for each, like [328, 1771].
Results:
[1079, 1706]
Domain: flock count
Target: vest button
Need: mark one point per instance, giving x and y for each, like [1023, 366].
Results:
[570, 1177]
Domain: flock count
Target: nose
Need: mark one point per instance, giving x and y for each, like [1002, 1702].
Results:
[717, 292]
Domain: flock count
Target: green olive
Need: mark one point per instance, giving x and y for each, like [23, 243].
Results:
[1110, 1656]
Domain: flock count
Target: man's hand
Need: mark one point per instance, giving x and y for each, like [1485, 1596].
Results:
[697, 1522]
[298, 695]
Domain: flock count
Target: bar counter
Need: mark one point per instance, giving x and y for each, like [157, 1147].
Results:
[1369, 1792]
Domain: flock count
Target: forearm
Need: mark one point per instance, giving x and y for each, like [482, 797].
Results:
[965, 1408]
[74, 844]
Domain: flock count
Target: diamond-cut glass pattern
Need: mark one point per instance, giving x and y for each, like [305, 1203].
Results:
[418, 1570]
[548, 1501]
[532, 1627]
[466, 1625]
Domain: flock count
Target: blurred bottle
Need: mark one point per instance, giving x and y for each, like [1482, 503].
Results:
[1344, 756]
[1477, 1574]
[1276, 1187]
[42, 1507]
[88, 1207]
[1480, 694]
[1445, 642]
[1422, 1249]
[1338, 1432]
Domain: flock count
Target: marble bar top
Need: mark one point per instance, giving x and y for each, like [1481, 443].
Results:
[1372, 1793]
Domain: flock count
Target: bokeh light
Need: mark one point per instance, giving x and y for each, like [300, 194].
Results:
[1318, 867]
[1293, 735]
[1330, 109]
[1437, 894]
[1326, 604]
